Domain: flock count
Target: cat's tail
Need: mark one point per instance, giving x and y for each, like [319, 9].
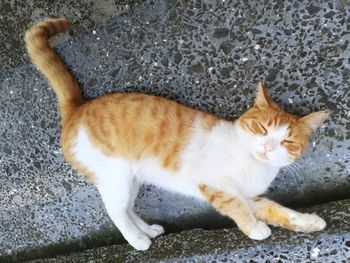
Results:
[49, 63]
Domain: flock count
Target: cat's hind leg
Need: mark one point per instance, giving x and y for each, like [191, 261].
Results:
[151, 230]
[275, 214]
[115, 185]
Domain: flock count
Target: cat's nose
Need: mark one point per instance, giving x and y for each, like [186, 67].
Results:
[269, 146]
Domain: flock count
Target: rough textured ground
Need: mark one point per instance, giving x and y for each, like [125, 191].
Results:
[205, 55]
[17, 15]
[228, 245]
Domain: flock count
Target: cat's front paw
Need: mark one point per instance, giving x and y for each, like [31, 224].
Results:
[260, 231]
[140, 242]
[308, 223]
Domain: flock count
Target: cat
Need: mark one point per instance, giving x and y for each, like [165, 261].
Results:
[123, 140]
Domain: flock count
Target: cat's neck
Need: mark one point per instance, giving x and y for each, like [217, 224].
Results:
[222, 154]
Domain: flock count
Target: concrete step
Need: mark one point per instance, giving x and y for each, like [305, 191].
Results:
[229, 245]
[208, 56]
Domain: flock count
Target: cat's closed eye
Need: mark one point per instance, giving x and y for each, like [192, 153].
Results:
[287, 142]
[262, 127]
[258, 128]
[292, 146]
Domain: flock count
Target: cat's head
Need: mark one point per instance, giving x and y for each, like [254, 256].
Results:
[275, 136]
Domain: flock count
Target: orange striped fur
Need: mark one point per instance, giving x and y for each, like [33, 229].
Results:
[233, 207]
[136, 126]
[272, 213]
[65, 86]
[208, 121]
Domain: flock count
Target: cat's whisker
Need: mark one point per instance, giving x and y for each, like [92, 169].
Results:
[293, 171]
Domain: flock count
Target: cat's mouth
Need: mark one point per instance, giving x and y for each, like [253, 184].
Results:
[262, 156]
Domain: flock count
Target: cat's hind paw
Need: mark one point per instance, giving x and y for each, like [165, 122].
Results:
[141, 242]
[260, 231]
[152, 230]
[308, 223]
[155, 230]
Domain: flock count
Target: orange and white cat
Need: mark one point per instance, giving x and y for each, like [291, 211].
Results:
[121, 141]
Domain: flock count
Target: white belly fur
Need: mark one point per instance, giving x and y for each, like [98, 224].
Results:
[146, 171]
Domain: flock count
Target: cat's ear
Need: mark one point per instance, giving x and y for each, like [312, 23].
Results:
[314, 120]
[262, 98]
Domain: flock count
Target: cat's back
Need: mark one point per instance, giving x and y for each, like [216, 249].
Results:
[133, 126]
[135, 112]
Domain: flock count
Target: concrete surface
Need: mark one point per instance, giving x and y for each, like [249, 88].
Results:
[17, 15]
[208, 55]
[228, 245]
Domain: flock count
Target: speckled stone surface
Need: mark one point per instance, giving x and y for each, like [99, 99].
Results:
[228, 245]
[205, 55]
[16, 15]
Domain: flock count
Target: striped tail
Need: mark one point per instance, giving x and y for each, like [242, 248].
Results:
[50, 64]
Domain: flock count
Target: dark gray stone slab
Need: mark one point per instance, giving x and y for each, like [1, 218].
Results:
[205, 55]
[228, 245]
[16, 15]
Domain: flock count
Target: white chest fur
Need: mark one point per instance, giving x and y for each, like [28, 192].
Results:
[220, 158]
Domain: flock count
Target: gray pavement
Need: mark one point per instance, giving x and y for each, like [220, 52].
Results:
[228, 245]
[16, 15]
[205, 54]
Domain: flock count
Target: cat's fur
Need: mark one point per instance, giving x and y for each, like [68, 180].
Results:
[123, 140]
